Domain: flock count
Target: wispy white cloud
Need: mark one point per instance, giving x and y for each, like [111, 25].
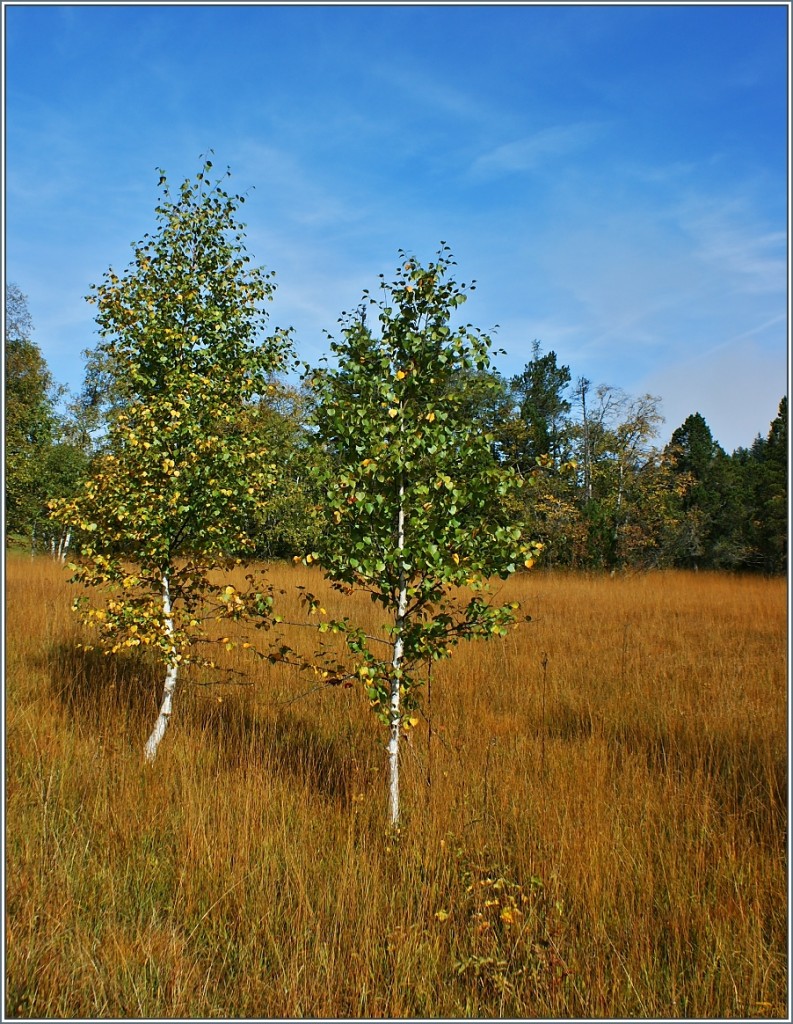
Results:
[752, 259]
[433, 93]
[537, 150]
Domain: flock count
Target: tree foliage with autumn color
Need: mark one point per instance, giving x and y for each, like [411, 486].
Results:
[179, 477]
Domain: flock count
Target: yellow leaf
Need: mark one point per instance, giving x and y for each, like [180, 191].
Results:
[442, 915]
[393, 412]
[430, 417]
[401, 375]
[456, 558]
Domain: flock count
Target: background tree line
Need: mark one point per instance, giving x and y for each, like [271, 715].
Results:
[605, 494]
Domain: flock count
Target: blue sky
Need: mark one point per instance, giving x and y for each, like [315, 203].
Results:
[613, 177]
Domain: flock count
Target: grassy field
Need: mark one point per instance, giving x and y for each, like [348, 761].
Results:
[595, 826]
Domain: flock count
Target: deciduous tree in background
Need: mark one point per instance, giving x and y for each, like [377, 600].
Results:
[185, 466]
[30, 419]
[289, 521]
[414, 496]
[622, 509]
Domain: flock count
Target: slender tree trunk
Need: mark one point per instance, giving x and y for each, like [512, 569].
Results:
[617, 515]
[587, 454]
[399, 650]
[63, 546]
[164, 716]
[429, 723]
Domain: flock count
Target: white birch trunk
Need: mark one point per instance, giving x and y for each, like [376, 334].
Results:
[587, 454]
[164, 716]
[64, 545]
[620, 489]
[399, 650]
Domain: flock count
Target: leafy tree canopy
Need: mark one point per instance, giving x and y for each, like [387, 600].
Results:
[185, 467]
[414, 496]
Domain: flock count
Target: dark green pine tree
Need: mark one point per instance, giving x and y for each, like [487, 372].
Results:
[702, 468]
[769, 506]
[539, 425]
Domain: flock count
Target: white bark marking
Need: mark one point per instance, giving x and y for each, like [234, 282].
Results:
[399, 650]
[164, 716]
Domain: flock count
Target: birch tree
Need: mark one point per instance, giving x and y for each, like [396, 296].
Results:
[164, 508]
[414, 496]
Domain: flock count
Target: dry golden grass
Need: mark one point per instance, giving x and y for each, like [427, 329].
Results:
[604, 835]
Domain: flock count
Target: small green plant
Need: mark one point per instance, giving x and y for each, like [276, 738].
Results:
[508, 933]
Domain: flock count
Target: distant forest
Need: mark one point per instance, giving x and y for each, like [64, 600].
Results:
[602, 495]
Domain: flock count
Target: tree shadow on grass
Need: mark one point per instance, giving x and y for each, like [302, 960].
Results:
[747, 778]
[120, 694]
[96, 689]
[280, 743]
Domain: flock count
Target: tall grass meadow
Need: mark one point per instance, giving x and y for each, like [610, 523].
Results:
[595, 818]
